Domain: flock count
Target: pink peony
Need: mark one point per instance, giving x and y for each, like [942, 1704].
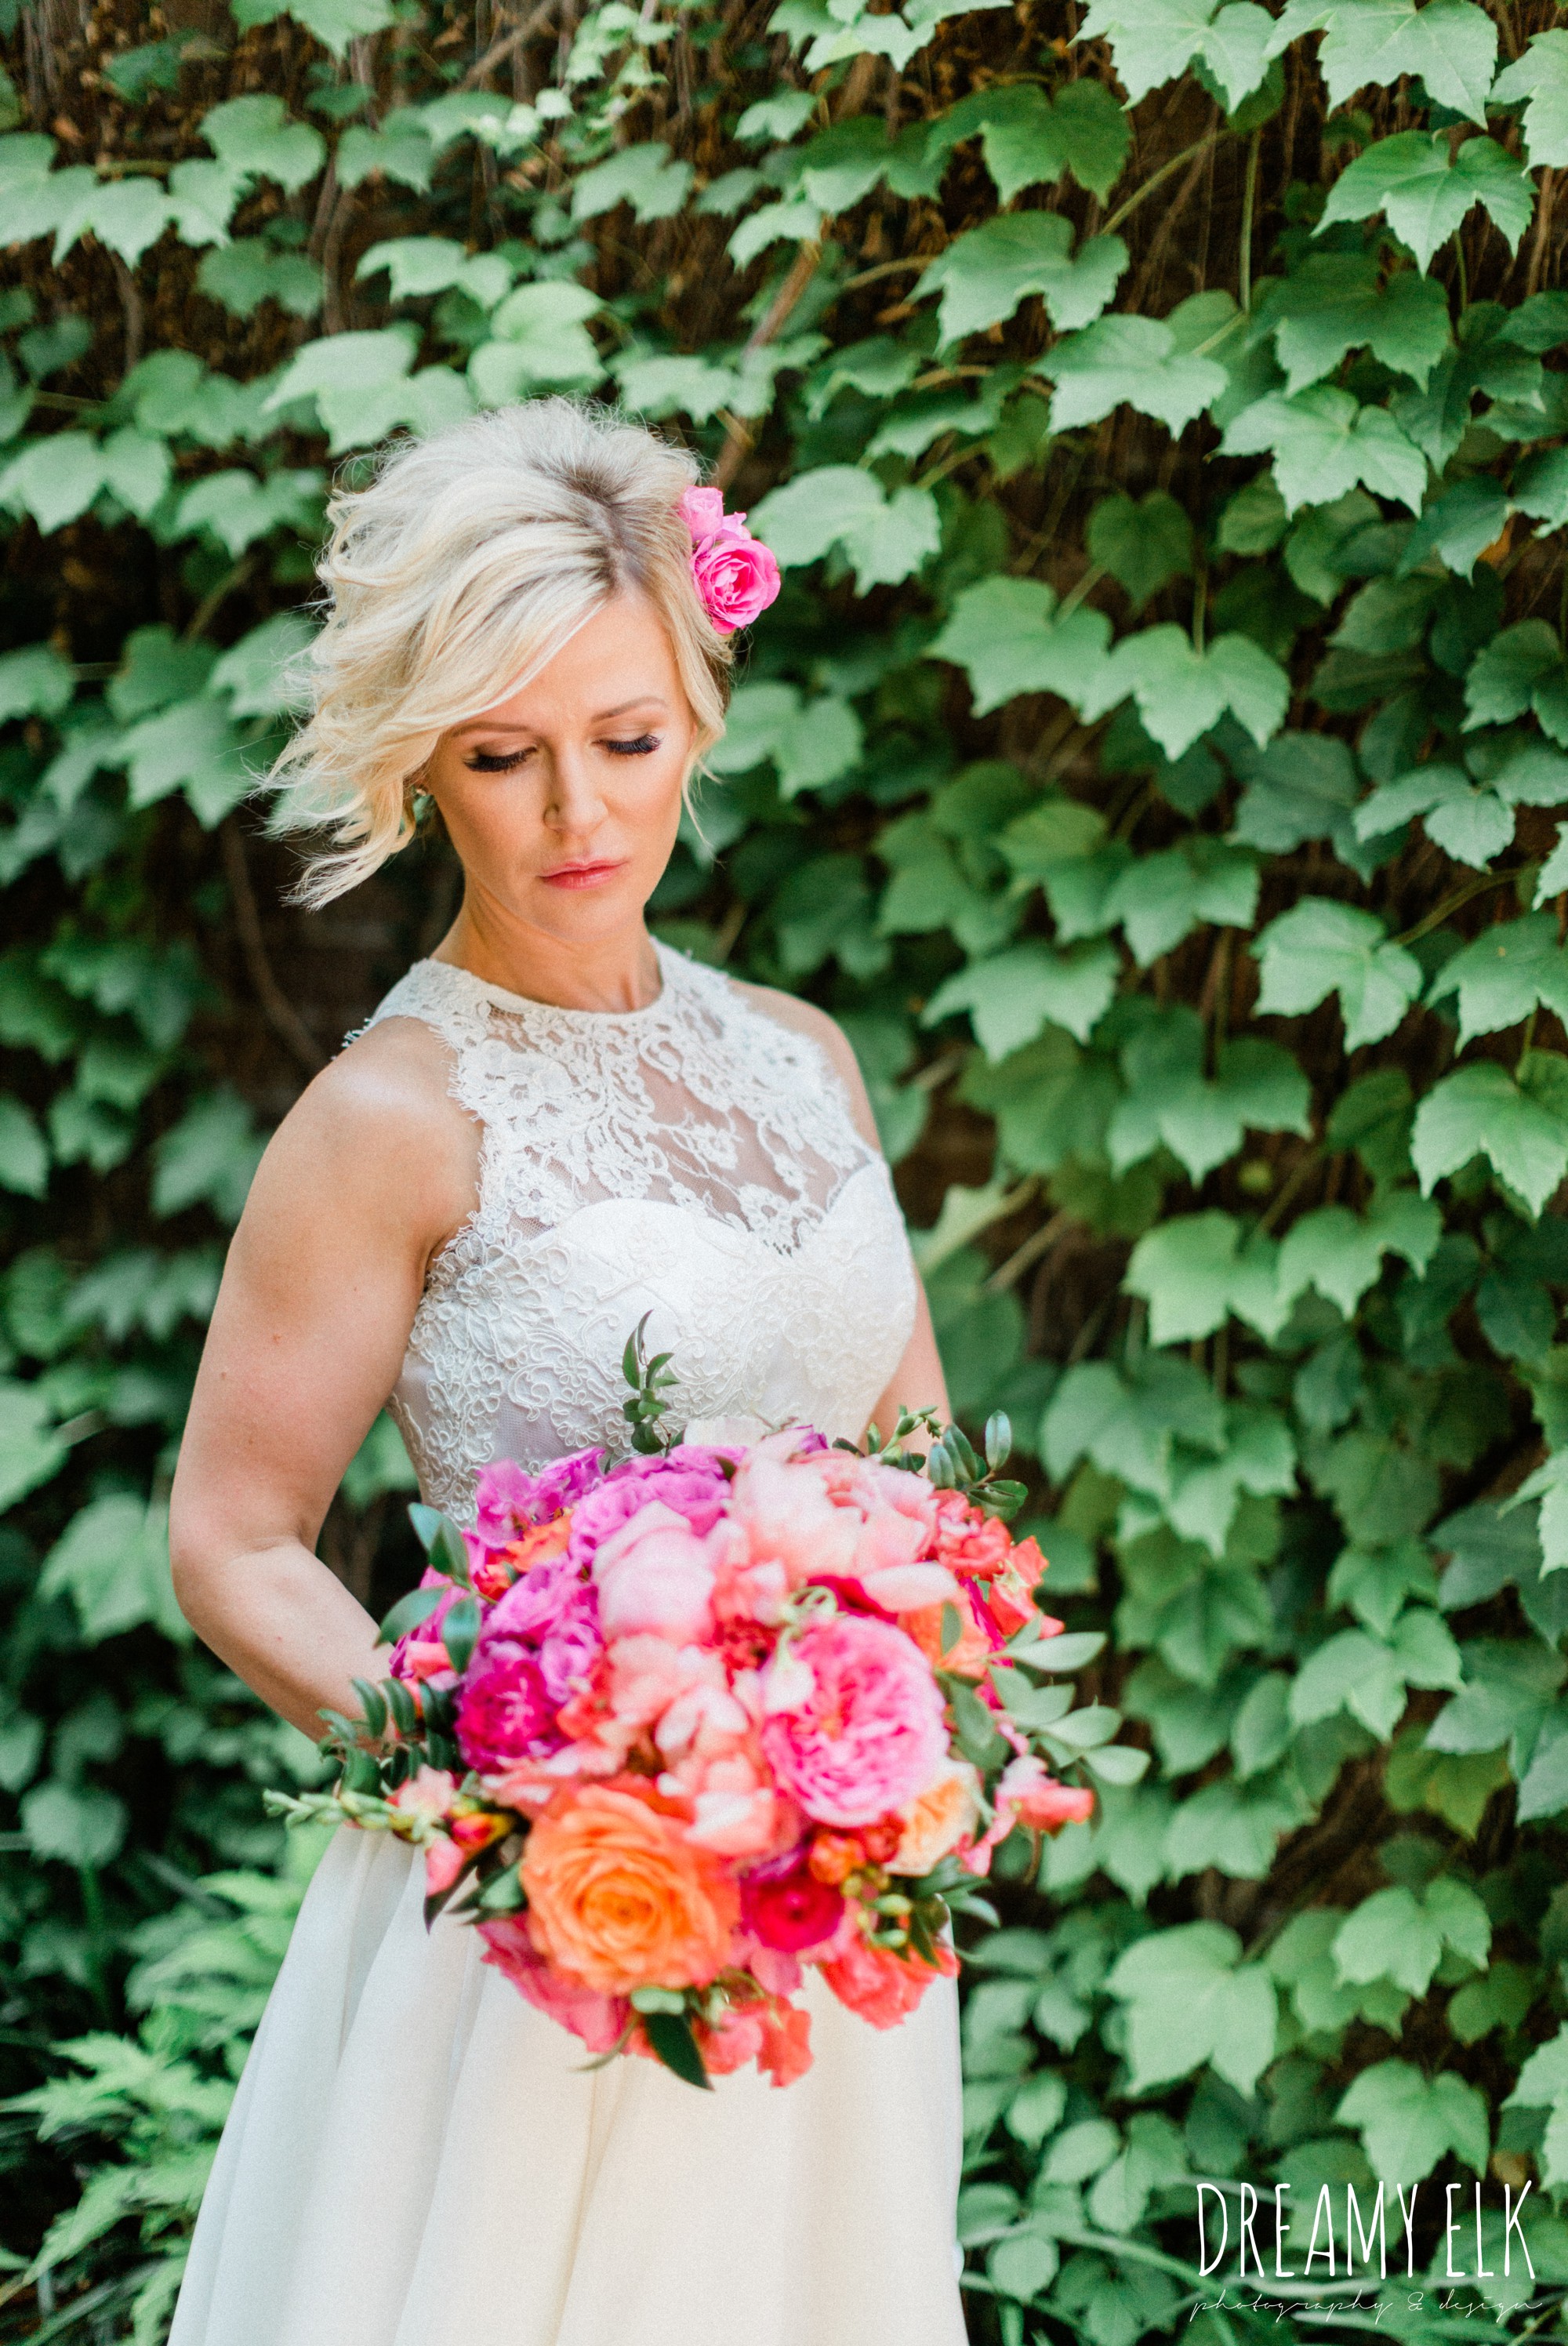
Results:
[870, 1734]
[692, 1483]
[785, 1906]
[654, 1579]
[599, 2020]
[735, 575]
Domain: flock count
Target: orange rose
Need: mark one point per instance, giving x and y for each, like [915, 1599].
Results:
[619, 1898]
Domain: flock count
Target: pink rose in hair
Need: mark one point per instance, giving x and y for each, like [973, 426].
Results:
[735, 574]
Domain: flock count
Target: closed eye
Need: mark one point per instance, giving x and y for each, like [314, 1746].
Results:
[498, 761]
[644, 744]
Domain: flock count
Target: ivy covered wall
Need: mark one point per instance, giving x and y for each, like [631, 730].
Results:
[1157, 759]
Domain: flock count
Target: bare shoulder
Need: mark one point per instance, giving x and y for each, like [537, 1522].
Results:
[378, 1136]
[805, 1018]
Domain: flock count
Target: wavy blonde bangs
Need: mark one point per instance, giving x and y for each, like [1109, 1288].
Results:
[451, 579]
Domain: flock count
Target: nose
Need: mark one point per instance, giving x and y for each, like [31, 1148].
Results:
[573, 803]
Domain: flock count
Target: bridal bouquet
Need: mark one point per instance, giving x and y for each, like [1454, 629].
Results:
[669, 1729]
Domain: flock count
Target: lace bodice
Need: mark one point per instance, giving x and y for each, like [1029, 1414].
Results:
[694, 1160]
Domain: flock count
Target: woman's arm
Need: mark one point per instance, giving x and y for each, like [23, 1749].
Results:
[918, 1383]
[369, 1173]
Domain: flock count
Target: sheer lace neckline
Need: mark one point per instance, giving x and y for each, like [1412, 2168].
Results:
[481, 989]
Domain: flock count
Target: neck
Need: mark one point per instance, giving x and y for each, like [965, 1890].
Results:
[618, 972]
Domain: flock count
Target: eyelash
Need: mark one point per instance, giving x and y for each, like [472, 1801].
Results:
[488, 762]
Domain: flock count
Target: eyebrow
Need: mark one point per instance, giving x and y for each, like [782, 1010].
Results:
[498, 725]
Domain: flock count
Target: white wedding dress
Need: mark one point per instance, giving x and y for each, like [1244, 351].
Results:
[416, 2157]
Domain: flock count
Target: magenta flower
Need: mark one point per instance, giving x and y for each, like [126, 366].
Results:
[509, 1501]
[863, 1733]
[538, 1644]
[785, 1906]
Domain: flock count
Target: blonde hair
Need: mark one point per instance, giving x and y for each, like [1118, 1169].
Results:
[451, 579]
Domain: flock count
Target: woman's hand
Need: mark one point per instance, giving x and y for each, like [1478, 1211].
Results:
[364, 1180]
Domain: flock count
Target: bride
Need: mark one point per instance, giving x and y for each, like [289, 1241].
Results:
[549, 1128]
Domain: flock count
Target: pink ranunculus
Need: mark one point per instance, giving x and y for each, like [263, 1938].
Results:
[599, 2020]
[654, 1579]
[783, 1904]
[1028, 1794]
[881, 1986]
[871, 1734]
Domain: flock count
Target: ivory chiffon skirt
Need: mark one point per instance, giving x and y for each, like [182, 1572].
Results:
[417, 2157]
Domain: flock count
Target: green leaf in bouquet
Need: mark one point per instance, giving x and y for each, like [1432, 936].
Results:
[460, 1631]
[404, 1709]
[360, 1774]
[408, 1612]
[375, 1708]
[1074, 1650]
[669, 2035]
[998, 1440]
[441, 1542]
[503, 1893]
[977, 1736]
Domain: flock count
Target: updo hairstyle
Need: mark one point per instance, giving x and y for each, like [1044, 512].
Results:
[452, 578]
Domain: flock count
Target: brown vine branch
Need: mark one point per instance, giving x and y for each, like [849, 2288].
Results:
[280, 1012]
[802, 269]
[534, 22]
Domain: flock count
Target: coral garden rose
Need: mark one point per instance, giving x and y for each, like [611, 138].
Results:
[869, 1735]
[619, 1897]
[881, 1986]
[939, 1820]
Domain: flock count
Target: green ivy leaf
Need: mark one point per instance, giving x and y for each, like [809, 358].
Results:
[1143, 542]
[1153, 41]
[1324, 444]
[253, 135]
[334, 23]
[1452, 44]
[1192, 2000]
[1334, 303]
[1520, 671]
[1321, 947]
[1501, 974]
[1003, 632]
[884, 539]
[1011, 996]
[1424, 191]
[983, 275]
[1408, 2122]
[1132, 360]
[643, 176]
[1481, 1111]
[1541, 78]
